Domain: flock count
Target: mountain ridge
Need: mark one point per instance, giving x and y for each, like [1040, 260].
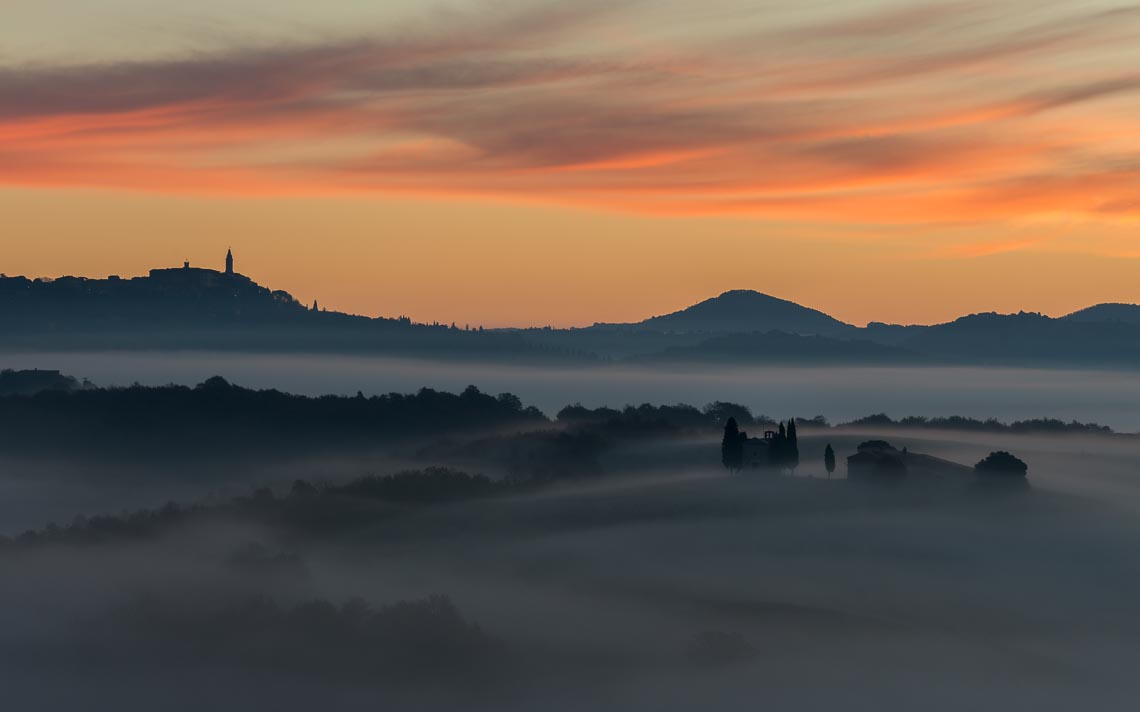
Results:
[189, 308]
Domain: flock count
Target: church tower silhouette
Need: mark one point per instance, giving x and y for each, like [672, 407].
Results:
[229, 261]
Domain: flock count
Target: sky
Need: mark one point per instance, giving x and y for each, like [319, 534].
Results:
[528, 162]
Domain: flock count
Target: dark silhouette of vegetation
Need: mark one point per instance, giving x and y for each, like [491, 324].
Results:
[829, 460]
[428, 486]
[792, 448]
[536, 456]
[1001, 464]
[32, 381]
[783, 447]
[721, 411]
[732, 446]
[876, 465]
[307, 507]
[712, 417]
[957, 422]
[173, 421]
[649, 419]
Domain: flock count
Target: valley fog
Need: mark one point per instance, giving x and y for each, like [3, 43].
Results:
[676, 586]
[608, 564]
[840, 393]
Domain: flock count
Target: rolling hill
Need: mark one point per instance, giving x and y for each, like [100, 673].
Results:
[1123, 313]
[744, 311]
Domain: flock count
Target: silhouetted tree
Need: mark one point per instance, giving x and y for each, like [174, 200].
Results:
[1001, 463]
[732, 446]
[776, 447]
[829, 460]
[792, 450]
[719, 411]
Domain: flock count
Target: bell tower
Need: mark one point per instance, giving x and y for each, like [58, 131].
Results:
[229, 261]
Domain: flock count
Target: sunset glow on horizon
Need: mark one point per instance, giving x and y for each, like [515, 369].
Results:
[527, 162]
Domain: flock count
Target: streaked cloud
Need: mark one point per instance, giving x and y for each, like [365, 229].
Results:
[916, 113]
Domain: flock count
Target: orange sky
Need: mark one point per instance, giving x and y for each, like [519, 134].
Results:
[529, 162]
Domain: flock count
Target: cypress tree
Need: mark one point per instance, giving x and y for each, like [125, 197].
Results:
[829, 460]
[732, 446]
[792, 454]
[777, 448]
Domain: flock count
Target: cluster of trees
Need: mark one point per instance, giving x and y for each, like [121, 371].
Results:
[1001, 464]
[428, 486]
[534, 456]
[782, 448]
[663, 419]
[958, 422]
[306, 506]
[683, 417]
[31, 381]
[175, 420]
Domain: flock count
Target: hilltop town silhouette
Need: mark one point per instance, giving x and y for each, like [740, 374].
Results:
[201, 308]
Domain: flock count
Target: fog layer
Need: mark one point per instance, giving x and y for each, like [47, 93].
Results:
[1104, 396]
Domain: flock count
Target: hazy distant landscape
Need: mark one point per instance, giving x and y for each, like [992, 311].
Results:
[745, 500]
[299, 506]
[192, 308]
[569, 356]
[842, 393]
[344, 549]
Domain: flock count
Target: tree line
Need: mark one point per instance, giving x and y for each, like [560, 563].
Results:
[780, 447]
[306, 506]
[174, 421]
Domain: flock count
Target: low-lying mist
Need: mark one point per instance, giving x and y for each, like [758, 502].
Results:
[492, 558]
[676, 586]
[842, 393]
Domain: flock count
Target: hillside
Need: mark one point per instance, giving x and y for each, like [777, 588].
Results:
[744, 311]
[201, 309]
[1125, 313]
[1028, 338]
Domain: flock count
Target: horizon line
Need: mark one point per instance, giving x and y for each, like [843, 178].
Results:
[564, 327]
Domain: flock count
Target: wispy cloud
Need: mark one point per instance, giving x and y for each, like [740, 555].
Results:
[842, 120]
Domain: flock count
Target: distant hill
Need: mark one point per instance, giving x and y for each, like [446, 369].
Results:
[1028, 338]
[1125, 313]
[784, 348]
[744, 311]
[203, 309]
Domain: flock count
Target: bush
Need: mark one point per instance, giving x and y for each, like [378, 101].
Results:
[1003, 464]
